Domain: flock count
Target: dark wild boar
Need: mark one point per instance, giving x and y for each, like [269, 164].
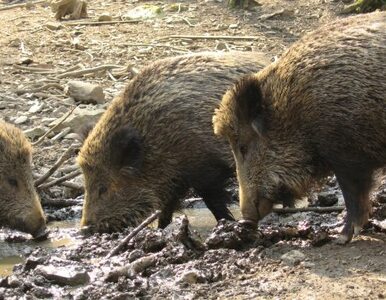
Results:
[20, 204]
[156, 140]
[321, 108]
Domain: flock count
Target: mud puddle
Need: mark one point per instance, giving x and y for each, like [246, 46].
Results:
[65, 234]
[13, 252]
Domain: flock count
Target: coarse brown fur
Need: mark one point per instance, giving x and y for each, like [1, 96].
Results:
[20, 204]
[155, 141]
[321, 108]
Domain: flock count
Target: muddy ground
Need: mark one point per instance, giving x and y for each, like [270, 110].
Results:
[292, 256]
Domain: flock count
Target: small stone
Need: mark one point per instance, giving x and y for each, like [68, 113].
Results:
[72, 136]
[20, 120]
[190, 277]
[61, 134]
[53, 25]
[222, 46]
[78, 119]
[328, 198]
[105, 17]
[233, 26]
[37, 107]
[293, 257]
[69, 275]
[35, 132]
[85, 92]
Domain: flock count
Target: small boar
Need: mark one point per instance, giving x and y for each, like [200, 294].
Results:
[156, 141]
[321, 108]
[20, 204]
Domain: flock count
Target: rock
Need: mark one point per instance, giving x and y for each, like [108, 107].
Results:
[222, 46]
[37, 107]
[328, 198]
[72, 136]
[20, 120]
[190, 277]
[69, 275]
[35, 132]
[143, 263]
[105, 17]
[79, 118]
[143, 12]
[85, 92]
[54, 25]
[293, 257]
[61, 134]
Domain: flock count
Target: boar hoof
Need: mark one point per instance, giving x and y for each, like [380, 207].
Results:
[41, 235]
[342, 239]
[248, 223]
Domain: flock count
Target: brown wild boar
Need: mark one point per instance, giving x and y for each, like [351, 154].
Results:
[20, 204]
[321, 108]
[156, 141]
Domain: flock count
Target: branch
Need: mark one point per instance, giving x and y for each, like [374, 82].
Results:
[306, 209]
[210, 37]
[87, 71]
[53, 128]
[132, 234]
[60, 180]
[65, 156]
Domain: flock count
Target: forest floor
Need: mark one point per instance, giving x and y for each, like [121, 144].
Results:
[37, 56]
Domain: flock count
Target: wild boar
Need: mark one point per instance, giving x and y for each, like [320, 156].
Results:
[20, 204]
[156, 141]
[320, 108]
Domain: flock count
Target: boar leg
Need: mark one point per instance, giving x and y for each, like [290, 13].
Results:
[355, 186]
[167, 211]
[216, 199]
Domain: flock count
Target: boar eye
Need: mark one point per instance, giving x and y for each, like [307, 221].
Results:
[102, 190]
[12, 182]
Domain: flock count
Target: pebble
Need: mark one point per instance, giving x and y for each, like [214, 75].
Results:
[328, 198]
[85, 92]
[190, 277]
[293, 257]
[69, 275]
[37, 107]
[20, 120]
[35, 132]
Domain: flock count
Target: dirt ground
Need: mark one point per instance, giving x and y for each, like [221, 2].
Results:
[35, 53]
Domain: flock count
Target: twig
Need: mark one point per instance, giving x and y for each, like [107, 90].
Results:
[22, 5]
[72, 186]
[53, 128]
[132, 234]
[157, 45]
[60, 180]
[66, 155]
[307, 209]
[98, 23]
[209, 37]
[61, 203]
[87, 71]
[39, 89]
[35, 70]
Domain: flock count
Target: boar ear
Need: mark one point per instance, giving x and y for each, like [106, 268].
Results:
[127, 150]
[249, 103]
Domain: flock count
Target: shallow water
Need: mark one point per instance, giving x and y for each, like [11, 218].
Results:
[13, 253]
[201, 220]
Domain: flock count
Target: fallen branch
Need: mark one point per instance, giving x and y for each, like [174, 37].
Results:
[65, 156]
[99, 23]
[209, 37]
[39, 89]
[60, 180]
[28, 4]
[156, 45]
[88, 71]
[132, 234]
[72, 186]
[53, 128]
[61, 203]
[292, 210]
[35, 70]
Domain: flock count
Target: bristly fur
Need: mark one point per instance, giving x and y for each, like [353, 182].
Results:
[320, 108]
[165, 114]
[20, 205]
